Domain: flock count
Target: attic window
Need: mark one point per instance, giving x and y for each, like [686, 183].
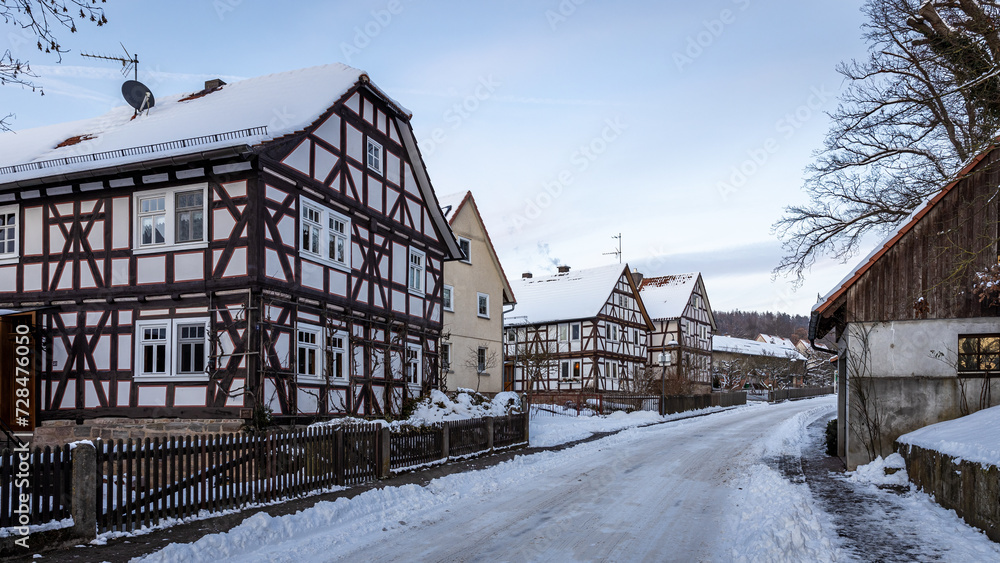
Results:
[75, 140]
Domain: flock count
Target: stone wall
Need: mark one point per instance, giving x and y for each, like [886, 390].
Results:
[58, 432]
[970, 489]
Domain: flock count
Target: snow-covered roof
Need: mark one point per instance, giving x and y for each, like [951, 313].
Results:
[666, 297]
[574, 295]
[753, 348]
[962, 438]
[450, 203]
[776, 340]
[250, 112]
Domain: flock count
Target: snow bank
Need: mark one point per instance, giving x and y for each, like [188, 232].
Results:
[439, 407]
[890, 471]
[777, 522]
[552, 425]
[962, 438]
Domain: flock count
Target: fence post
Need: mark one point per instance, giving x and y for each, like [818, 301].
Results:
[338, 453]
[83, 506]
[445, 440]
[489, 433]
[663, 406]
[527, 426]
[385, 458]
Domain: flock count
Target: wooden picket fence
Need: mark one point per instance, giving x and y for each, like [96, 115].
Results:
[47, 473]
[139, 483]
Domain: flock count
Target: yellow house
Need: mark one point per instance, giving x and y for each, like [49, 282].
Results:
[475, 294]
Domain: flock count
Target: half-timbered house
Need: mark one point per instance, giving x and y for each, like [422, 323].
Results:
[476, 293]
[584, 330]
[684, 325]
[271, 243]
[916, 321]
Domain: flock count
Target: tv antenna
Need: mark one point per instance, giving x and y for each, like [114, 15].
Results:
[129, 62]
[618, 251]
[137, 94]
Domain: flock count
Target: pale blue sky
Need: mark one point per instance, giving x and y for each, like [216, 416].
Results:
[635, 115]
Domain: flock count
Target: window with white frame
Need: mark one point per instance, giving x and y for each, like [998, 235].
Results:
[564, 370]
[337, 350]
[574, 331]
[483, 305]
[324, 234]
[466, 247]
[481, 354]
[374, 156]
[576, 369]
[308, 354]
[511, 335]
[563, 333]
[635, 336]
[446, 356]
[171, 217]
[448, 296]
[191, 348]
[416, 271]
[612, 332]
[175, 348]
[8, 232]
[413, 367]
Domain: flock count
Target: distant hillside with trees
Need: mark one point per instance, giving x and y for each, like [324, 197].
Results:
[748, 324]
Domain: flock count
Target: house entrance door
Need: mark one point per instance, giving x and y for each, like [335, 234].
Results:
[18, 394]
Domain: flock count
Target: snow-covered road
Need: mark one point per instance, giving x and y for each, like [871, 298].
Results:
[663, 492]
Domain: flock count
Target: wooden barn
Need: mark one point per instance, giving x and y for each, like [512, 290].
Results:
[916, 321]
[574, 331]
[271, 243]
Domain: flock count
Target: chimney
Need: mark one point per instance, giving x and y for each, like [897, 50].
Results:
[637, 277]
[563, 269]
[213, 84]
[526, 276]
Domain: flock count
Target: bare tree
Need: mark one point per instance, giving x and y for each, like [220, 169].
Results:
[925, 101]
[482, 360]
[39, 21]
[867, 414]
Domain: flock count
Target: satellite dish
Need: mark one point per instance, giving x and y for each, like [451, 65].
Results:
[137, 95]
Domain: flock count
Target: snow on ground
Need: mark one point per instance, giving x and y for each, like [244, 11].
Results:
[439, 407]
[774, 519]
[962, 438]
[890, 471]
[552, 425]
[717, 487]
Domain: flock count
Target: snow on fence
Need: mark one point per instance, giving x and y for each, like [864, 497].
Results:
[45, 475]
[139, 483]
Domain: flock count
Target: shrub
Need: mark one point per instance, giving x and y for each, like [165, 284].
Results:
[831, 437]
